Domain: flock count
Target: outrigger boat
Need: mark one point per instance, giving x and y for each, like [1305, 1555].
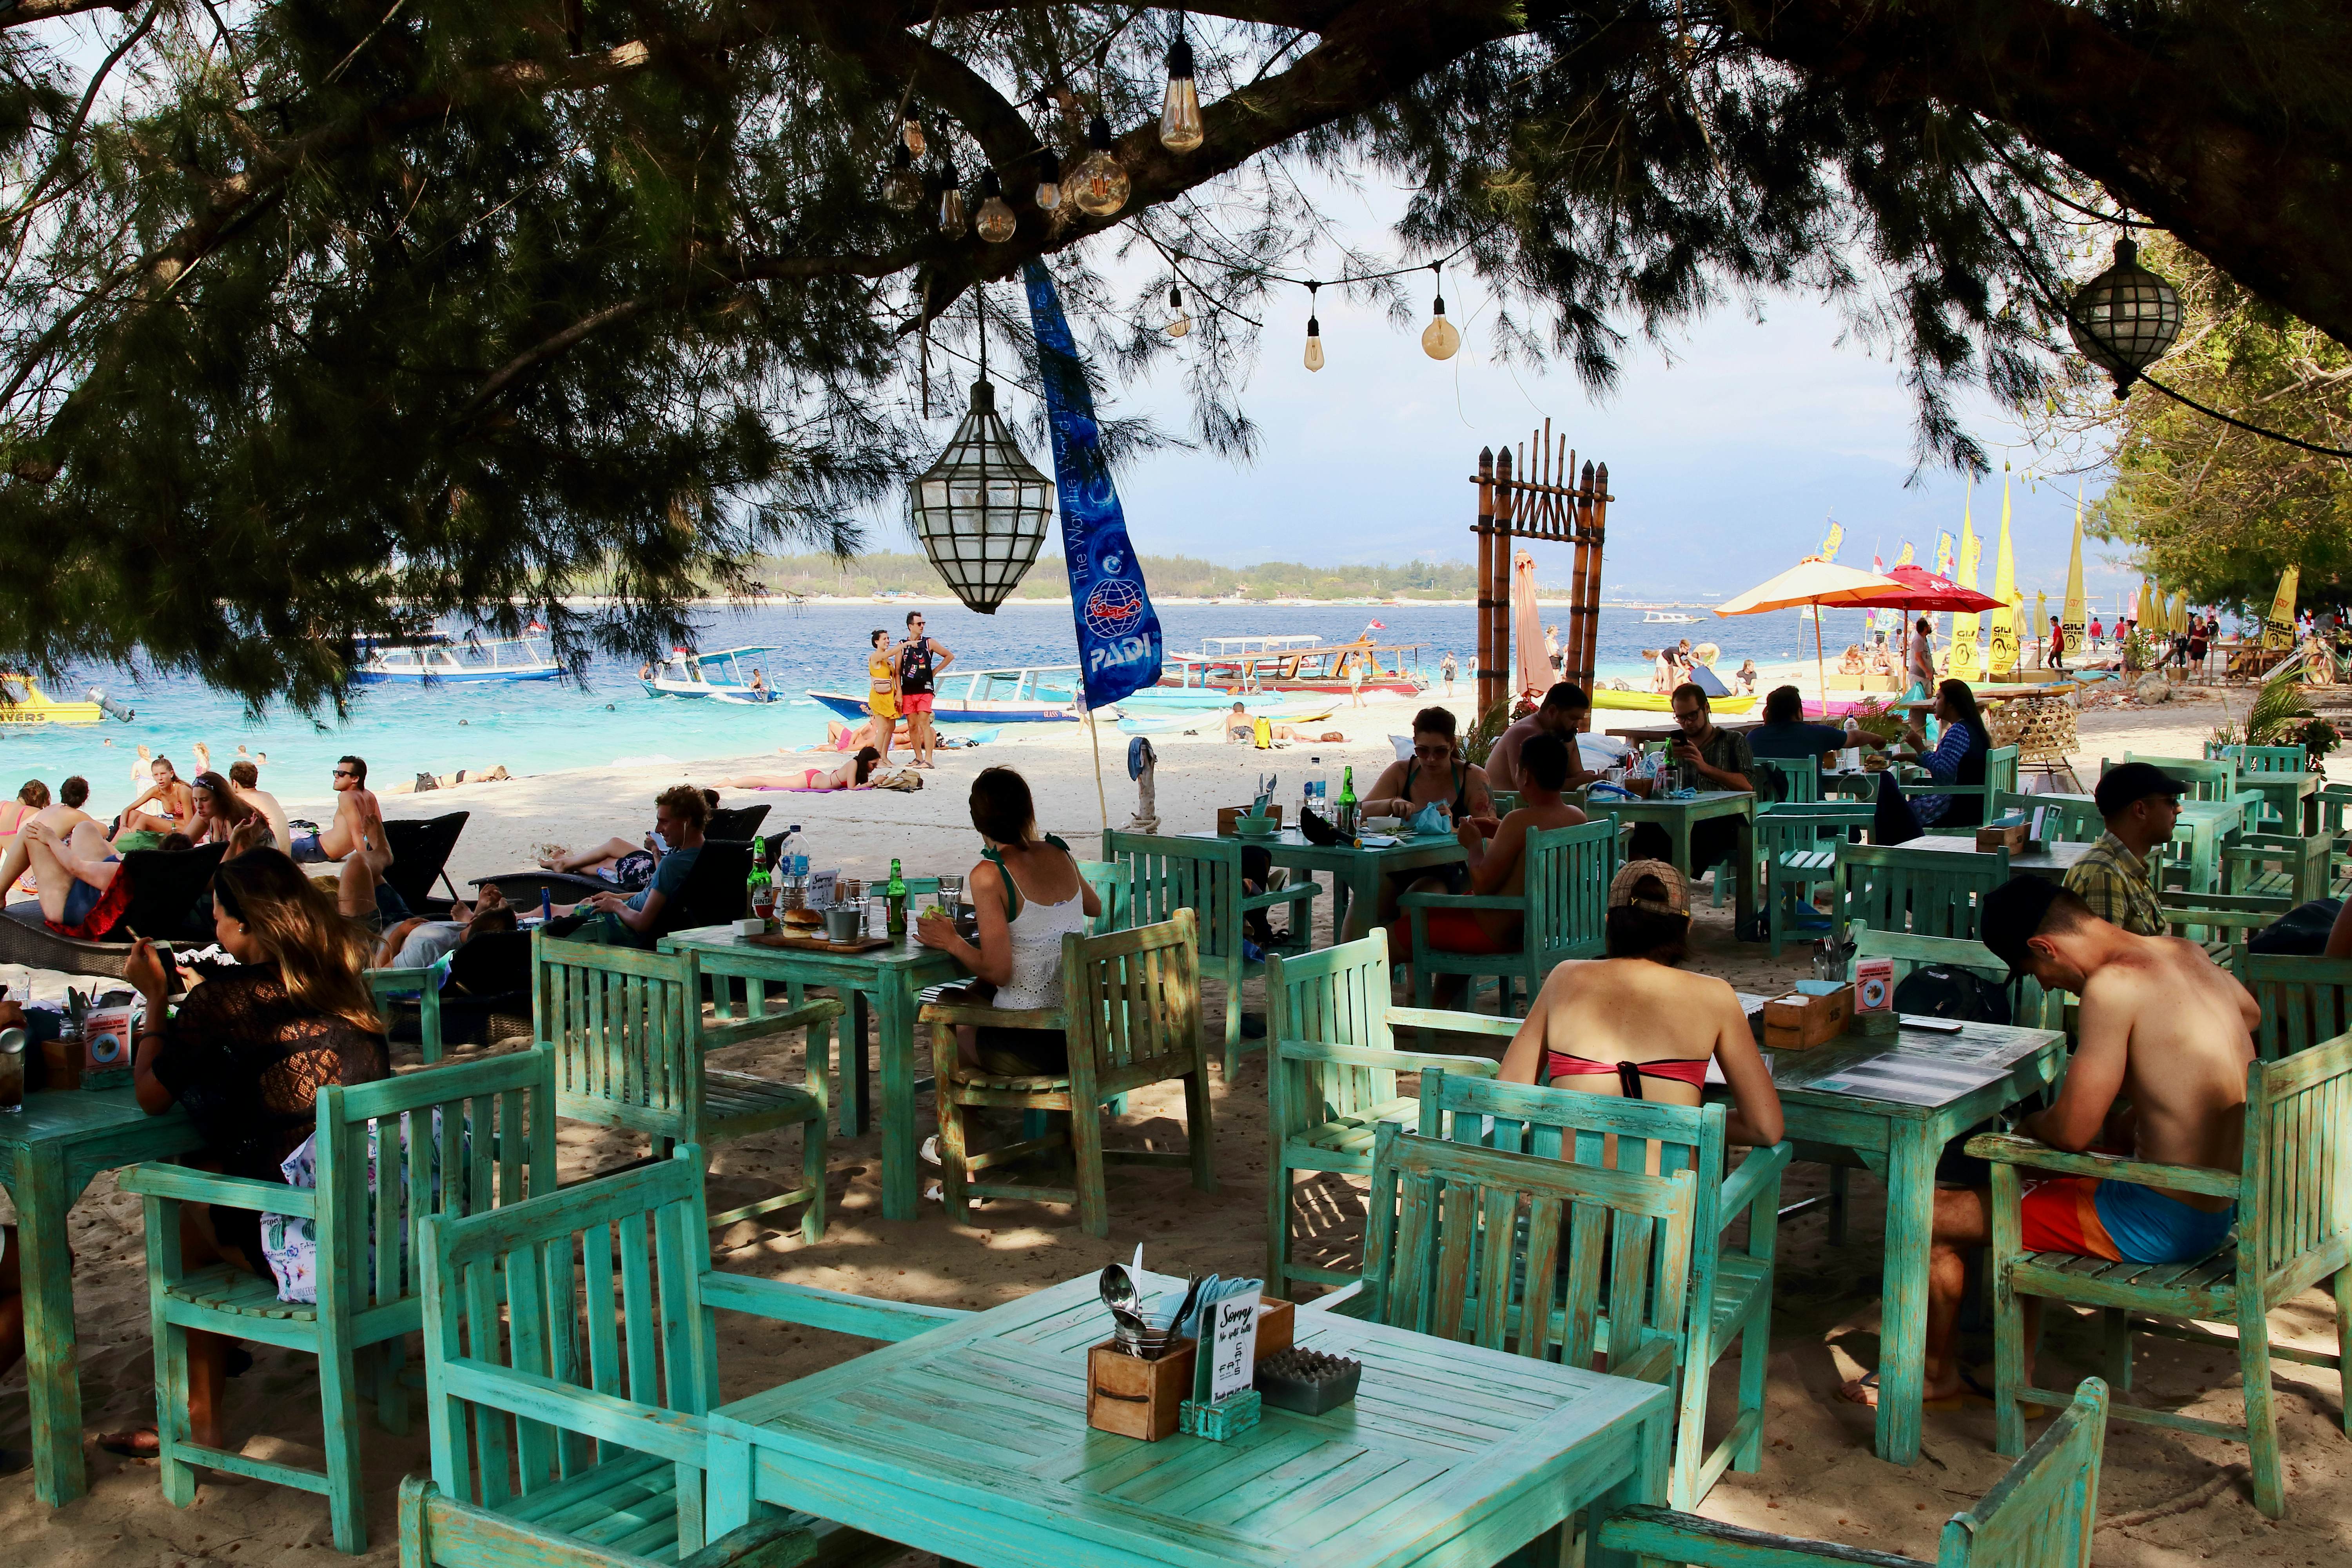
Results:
[1664, 702]
[1294, 664]
[470, 660]
[23, 702]
[1040, 695]
[726, 675]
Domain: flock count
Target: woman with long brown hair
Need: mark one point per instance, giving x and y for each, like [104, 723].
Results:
[222, 814]
[245, 1057]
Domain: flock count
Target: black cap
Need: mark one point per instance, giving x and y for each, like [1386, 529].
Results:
[2125, 783]
[2013, 915]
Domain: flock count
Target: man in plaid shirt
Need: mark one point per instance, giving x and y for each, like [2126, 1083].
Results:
[2141, 806]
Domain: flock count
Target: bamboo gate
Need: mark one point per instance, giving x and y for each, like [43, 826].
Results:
[1547, 500]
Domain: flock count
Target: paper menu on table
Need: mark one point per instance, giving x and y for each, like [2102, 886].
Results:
[821, 888]
[1229, 1332]
[1909, 1077]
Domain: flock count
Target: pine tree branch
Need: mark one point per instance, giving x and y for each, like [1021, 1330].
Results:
[26, 13]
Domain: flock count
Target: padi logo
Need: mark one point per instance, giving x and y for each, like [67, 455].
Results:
[1107, 656]
[1114, 608]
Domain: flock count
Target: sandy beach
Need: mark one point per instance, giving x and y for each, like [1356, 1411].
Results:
[2168, 1499]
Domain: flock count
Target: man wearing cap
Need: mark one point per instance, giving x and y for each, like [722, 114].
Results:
[2141, 806]
[2161, 1072]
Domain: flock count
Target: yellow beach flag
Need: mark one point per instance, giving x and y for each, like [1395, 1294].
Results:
[1968, 650]
[1904, 559]
[2004, 588]
[2278, 627]
[1833, 538]
[2074, 615]
[1944, 553]
[2040, 630]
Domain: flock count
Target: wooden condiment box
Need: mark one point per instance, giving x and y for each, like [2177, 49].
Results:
[2011, 838]
[1797, 1021]
[1225, 815]
[1137, 1398]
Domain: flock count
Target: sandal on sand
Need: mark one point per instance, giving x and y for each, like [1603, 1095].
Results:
[141, 1442]
[1864, 1391]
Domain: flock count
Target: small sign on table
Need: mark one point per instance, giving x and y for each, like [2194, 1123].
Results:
[1225, 1402]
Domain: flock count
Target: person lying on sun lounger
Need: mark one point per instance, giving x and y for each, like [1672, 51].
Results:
[851, 774]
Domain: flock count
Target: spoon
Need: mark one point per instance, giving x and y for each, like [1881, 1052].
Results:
[1119, 1295]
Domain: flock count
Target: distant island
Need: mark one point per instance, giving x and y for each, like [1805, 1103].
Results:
[895, 572]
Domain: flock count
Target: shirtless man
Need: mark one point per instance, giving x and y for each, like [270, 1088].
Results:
[355, 837]
[175, 803]
[2160, 1071]
[1498, 869]
[1564, 711]
[60, 816]
[247, 780]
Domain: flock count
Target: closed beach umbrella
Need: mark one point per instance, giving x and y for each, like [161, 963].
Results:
[1527, 628]
[1816, 583]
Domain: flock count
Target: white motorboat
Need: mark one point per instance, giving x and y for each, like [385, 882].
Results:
[1047, 694]
[470, 660]
[727, 675]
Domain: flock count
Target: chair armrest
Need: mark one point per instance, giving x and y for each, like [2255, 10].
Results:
[1462, 901]
[1371, 1056]
[716, 1036]
[1332, 1300]
[1295, 893]
[674, 1434]
[1451, 1023]
[830, 1309]
[998, 1017]
[1746, 1184]
[399, 981]
[1663, 1534]
[2009, 1148]
[178, 1184]
[776, 1542]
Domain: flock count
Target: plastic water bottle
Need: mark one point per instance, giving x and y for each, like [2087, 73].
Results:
[1310, 789]
[546, 905]
[797, 847]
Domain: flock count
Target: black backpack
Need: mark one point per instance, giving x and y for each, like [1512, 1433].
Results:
[1937, 991]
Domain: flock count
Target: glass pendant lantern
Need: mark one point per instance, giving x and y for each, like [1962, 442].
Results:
[1179, 111]
[951, 219]
[1314, 359]
[2126, 318]
[903, 187]
[981, 508]
[1048, 195]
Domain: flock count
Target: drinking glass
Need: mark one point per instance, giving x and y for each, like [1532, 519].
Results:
[12, 1043]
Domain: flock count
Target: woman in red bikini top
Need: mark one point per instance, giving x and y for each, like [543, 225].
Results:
[1635, 1025]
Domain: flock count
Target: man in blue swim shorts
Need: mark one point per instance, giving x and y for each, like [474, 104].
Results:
[2159, 1074]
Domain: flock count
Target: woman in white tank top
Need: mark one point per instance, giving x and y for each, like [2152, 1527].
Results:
[1029, 895]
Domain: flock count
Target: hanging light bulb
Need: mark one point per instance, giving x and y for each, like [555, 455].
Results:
[997, 221]
[1048, 195]
[1178, 323]
[952, 218]
[1313, 331]
[1098, 184]
[911, 136]
[903, 187]
[1439, 339]
[1179, 112]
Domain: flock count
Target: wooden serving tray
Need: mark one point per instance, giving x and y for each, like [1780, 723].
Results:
[818, 943]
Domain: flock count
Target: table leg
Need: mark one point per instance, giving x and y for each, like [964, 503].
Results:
[52, 1376]
[1683, 846]
[895, 1038]
[1746, 928]
[729, 1499]
[1902, 1314]
[1645, 1484]
[852, 1069]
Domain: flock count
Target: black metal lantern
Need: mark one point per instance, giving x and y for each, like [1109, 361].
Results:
[2126, 318]
[981, 508]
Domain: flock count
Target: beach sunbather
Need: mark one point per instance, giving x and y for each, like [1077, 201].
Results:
[851, 774]
[62, 816]
[173, 805]
[415, 943]
[245, 778]
[78, 874]
[355, 837]
[680, 814]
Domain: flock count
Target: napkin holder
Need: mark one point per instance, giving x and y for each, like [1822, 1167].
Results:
[1228, 815]
[1805, 1017]
[2009, 836]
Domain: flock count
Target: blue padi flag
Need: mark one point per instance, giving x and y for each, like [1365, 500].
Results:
[1118, 632]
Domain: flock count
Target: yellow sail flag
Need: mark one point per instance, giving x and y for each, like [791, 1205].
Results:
[1831, 539]
[1904, 559]
[1966, 662]
[2145, 614]
[2074, 615]
[2040, 630]
[2004, 588]
[2278, 627]
[1944, 553]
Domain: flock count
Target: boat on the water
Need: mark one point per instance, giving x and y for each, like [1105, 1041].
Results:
[1166, 722]
[726, 675]
[1294, 664]
[1664, 702]
[1046, 694]
[23, 702]
[1667, 617]
[469, 660]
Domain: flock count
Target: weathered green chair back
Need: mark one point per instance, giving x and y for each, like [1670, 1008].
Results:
[1444, 1255]
[2305, 1001]
[1336, 996]
[2067, 822]
[1108, 880]
[2214, 780]
[2294, 1203]
[504, 1308]
[1796, 828]
[2030, 1007]
[1506, 801]
[1133, 1003]
[627, 1027]
[1924, 891]
[1800, 779]
[459, 1139]
[2259, 759]
[2000, 771]
[1568, 875]
[1166, 874]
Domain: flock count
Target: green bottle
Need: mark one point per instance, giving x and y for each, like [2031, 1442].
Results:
[1346, 823]
[897, 892]
[758, 879]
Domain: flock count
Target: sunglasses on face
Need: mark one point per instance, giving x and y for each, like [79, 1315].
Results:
[343, 773]
[1444, 750]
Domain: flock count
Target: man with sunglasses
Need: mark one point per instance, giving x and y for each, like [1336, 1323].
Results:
[1722, 761]
[356, 838]
[921, 660]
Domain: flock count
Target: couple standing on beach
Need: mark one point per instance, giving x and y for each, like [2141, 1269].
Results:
[899, 682]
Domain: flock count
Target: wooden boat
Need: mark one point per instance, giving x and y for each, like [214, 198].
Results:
[470, 660]
[24, 703]
[1662, 702]
[1237, 665]
[725, 676]
[1045, 694]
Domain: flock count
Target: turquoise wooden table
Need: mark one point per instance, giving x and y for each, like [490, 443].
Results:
[2204, 826]
[886, 984]
[1679, 816]
[2293, 798]
[2051, 862]
[1852, 1100]
[1355, 873]
[49, 1152]
[971, 1441]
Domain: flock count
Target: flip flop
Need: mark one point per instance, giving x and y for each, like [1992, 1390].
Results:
[127, 1444]
[1945, 1405]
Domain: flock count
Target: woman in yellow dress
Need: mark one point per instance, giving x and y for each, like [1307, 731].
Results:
[882, 691]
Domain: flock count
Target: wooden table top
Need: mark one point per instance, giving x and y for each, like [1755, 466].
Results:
[1292, 844]
[1910, 1075]
[2033, 857]
[985, 1419]
[722, 940]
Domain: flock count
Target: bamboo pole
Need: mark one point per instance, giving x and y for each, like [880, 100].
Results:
[1101, 797]
[1596, 529]
[1485, 529]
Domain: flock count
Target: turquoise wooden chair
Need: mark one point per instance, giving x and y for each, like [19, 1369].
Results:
[632, 1051]
[2040, 1515]
[1332, 1077]
[1167, 874]
[2306, 1002]
[1925, 891]
[1562, 909]
[2029, 1006]
[465, 1137]
[569, 1429]
[1506, 801]
[1800, 851]
[1108, 880]
[2067, 822]
[2260, 759]
[2221, 922]
[1801, 780]
[2286, 865]
[2000, 778]
[425, 986]
[1731, 1283]
[2215, 779]
[2294, 1230]
[1131, 1011]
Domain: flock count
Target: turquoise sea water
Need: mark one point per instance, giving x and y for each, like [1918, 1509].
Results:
[541, 726]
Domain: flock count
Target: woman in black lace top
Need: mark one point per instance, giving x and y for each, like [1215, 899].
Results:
[245, 1057]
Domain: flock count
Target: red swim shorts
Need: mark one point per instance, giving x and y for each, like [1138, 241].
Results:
[1450, 930]
[915, 702]
[2062, 1215]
